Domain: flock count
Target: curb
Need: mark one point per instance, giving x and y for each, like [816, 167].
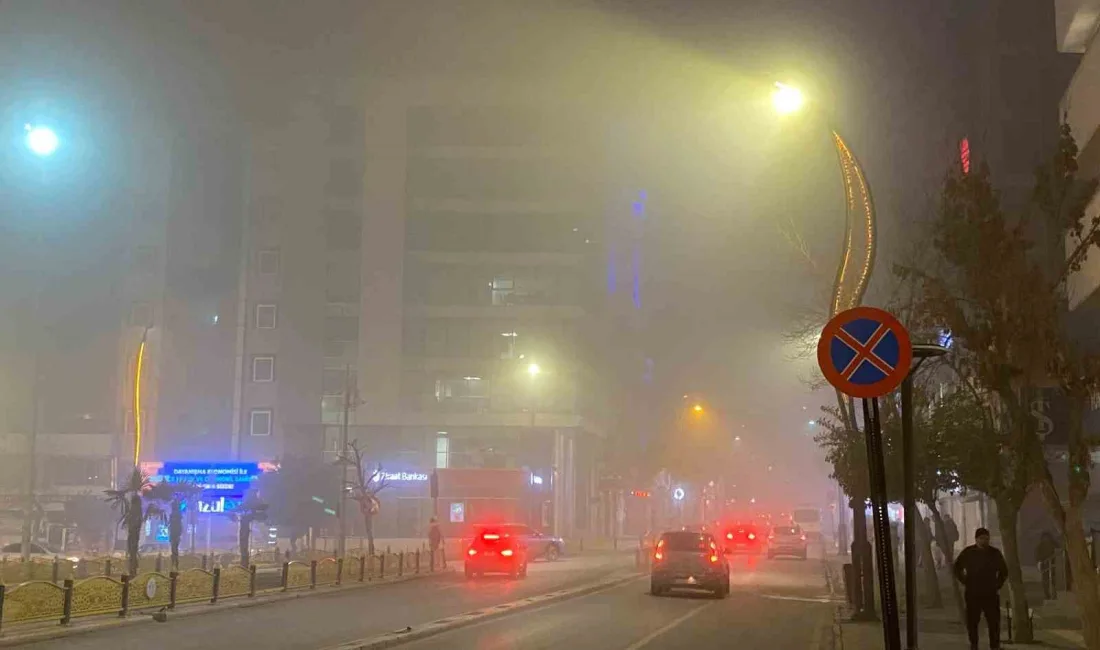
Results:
[481, 615]
[138, 617]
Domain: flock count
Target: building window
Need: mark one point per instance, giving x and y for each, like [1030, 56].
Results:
[259, 422]
[263, 369]
[265, 317]
[141, 314]
[462, 394]
[442, 450]
[503, 288]
[267, 261]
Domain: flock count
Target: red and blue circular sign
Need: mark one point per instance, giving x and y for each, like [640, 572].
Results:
[864, 352]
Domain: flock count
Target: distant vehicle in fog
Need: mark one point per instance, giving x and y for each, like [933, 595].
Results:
[787, 540]
[808, 518]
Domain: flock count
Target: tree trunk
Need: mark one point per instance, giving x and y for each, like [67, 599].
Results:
[932, 597]
[1086, 586]
[368, 525]
[244, 539]
[1007, 513]
[175, 533]
[948, 557]
[135, 516]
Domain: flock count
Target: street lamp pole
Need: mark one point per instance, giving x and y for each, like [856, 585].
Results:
[857, 260]
[43, 142]
[909, 497]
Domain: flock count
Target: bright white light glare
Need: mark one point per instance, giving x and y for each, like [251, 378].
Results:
[41, 140]
[533, 369]
[787, 99]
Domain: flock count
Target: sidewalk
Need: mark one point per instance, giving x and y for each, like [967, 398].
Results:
[1055, 622]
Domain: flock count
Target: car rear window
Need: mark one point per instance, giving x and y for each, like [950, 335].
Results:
[787, 530]
[684, 541]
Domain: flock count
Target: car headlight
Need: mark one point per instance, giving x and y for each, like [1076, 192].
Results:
[74, 560]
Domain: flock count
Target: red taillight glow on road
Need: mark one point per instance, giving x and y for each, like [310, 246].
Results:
[506, 552]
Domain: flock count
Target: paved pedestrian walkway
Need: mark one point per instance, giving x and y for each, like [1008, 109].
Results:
[1055, 621]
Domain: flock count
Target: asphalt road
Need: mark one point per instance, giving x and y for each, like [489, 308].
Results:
[774, 605]
[325, 620]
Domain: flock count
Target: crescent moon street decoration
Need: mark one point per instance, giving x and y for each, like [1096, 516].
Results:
[858, 253]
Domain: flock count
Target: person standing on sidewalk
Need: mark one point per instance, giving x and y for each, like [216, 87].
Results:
[435, 538]
[982, 570]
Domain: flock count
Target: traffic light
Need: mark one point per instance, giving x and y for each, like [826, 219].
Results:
[640, 493]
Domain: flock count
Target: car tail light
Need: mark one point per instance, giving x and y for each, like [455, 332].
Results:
[729, 535]
[507, 552]
[752, 536]
[490, 536]
[714, 559]
[658, 556]
[803, 538]
[472, 551]
[771, 536]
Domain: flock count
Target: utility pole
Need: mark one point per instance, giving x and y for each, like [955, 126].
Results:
[341, 502]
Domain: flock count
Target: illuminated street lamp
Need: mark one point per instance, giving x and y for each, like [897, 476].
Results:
[41, 140]
[787, 99]
[698, 409]
[533, 369]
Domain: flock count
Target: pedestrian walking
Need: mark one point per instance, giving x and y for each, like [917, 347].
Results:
[435, 537]
[982, 570]
[952, 531]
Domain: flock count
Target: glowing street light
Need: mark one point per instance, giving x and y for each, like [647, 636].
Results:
[698, 408]
[41, 140]
[533, 369]
[787, 99]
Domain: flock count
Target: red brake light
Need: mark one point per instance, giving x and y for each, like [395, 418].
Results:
[714, 558]
[803, 538]
[771, 536]
[472, 551]
[490, 536]
[661, 544]
[729, 535]
[752, 535]
[658, 556]
[506, 552]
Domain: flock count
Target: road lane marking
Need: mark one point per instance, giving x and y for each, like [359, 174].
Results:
[801, 599]
[642, 642]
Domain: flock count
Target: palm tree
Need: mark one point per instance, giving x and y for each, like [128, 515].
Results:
[253, 509]
[175, 496]
[129, 500]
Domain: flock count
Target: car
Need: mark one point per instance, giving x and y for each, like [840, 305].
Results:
[538, 544]
[495, 551]
[689, 560]
[787, 540]
[743, 538]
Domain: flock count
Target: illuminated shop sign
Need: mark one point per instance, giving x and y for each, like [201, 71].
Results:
[405, 477]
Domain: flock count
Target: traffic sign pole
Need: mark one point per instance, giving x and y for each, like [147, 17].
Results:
[866, 352]
[891, 622]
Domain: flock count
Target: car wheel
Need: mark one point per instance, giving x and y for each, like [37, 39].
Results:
[656, 588]
[552, 552]
[469, 573]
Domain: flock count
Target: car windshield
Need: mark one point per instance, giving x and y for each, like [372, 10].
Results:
[684, 542]
[806, 516]
[787, 530]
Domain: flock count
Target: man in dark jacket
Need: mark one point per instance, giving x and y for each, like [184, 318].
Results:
[982, 570]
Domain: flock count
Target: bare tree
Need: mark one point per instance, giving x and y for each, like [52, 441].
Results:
[365, 486]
